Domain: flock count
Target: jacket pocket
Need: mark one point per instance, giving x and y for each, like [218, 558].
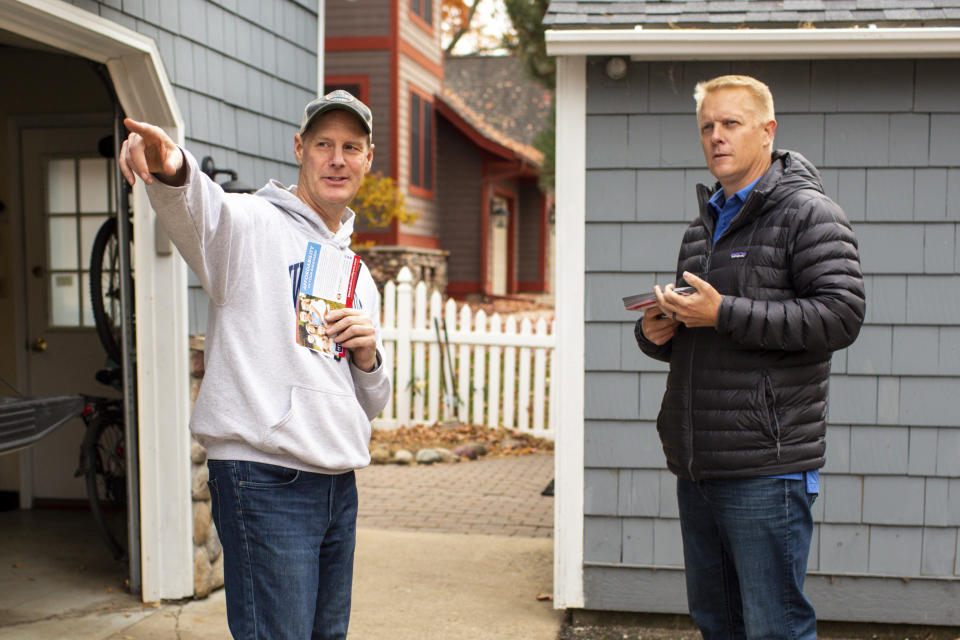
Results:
[769, 404]
[323, 428]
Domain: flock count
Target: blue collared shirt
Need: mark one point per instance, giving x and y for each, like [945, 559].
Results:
[725, 211]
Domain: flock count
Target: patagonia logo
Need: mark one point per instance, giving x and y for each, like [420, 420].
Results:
[738, 254]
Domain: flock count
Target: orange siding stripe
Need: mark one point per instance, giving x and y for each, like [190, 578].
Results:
[357, 43]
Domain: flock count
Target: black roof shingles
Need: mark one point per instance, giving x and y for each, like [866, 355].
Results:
[751, 13]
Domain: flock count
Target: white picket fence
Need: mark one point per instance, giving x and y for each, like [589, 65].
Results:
[502, 375]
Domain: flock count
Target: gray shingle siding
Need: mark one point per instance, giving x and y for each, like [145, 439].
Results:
[890, 501]
[241, 72]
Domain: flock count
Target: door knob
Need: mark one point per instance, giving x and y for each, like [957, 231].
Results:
[39, 345]
[37, 271]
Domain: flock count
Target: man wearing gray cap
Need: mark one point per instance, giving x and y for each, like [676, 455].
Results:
[283, 412]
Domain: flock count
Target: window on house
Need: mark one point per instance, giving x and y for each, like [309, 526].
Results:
[423, 9]
[421, 144]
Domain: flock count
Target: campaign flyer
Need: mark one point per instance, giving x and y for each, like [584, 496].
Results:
[328, 281]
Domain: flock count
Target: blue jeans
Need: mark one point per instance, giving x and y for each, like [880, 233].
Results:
[745, 549]
[288, 538]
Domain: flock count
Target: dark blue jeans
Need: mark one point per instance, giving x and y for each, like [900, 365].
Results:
[288, 538]
[745, 549]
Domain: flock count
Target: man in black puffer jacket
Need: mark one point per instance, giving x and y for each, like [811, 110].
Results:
[778, 288]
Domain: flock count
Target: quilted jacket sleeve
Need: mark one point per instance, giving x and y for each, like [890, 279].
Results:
[657, 352]
[830, 302]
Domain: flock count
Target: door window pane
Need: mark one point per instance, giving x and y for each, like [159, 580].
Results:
[61, 186]
[64, 300]
[77, 209]
[89, 225]
[63, 242]
[94, 186]
[88, 320]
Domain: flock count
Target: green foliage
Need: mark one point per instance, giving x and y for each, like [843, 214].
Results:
[546, 143]
[528, 42]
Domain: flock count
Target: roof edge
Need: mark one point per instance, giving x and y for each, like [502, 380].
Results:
[769, 44]
[450, 106]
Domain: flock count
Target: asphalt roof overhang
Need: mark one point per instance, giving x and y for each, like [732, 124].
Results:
[757, 44]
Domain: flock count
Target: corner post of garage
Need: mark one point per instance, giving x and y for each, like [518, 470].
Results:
[162, 351]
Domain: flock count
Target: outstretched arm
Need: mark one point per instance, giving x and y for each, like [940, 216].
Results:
[147, 152]
[209, 235]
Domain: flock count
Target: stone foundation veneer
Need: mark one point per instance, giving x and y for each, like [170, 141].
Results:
[207, 552]
[428, 265]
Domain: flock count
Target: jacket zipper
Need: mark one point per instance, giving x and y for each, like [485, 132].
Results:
[690, 369]
[702, 194]
[770, 408]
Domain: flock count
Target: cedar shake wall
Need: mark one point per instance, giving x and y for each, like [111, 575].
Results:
[459, 167]
[886, 136]
[241, 76]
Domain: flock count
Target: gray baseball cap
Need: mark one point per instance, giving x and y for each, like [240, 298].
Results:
[338, 99]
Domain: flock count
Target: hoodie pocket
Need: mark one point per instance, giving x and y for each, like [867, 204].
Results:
[769, 404]
[323, 428]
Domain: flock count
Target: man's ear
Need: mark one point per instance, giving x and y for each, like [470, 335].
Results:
[770, 128]
[369, 159]
[298, 147]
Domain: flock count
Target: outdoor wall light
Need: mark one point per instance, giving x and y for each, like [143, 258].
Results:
[499, 213]
[230, 186]
[616, 68]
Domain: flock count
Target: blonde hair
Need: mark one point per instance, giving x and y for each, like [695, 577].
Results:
[762, 98]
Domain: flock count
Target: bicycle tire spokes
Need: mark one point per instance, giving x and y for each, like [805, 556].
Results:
[107, 480]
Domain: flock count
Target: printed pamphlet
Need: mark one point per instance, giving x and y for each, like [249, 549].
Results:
[328, 281]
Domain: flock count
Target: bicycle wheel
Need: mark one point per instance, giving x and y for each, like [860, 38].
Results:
[105, 274]
[106, 474]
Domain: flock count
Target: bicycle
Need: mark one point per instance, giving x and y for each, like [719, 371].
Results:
[103, 464]
[105, 275]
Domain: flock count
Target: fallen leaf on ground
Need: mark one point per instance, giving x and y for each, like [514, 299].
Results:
[432, 436]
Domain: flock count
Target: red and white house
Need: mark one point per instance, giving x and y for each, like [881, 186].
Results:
[464, 162]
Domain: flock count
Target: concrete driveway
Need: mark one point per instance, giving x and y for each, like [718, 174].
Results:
[423, 577]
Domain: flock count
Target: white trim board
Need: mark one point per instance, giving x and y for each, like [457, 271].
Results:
[767, 44]
[144, 91]
[570, 363]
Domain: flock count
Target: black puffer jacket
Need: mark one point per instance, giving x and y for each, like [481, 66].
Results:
[749, 397]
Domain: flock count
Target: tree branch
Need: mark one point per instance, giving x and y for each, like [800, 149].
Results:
[464, 28]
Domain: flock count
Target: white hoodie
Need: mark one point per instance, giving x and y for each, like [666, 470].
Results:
[264, 398]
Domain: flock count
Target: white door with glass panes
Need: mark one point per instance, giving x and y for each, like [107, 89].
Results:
[68, 194]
